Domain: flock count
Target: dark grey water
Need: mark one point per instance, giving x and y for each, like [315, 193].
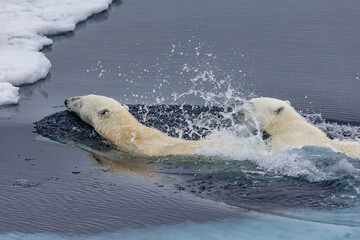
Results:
[325, 180]
[305, 51]
[46, 187]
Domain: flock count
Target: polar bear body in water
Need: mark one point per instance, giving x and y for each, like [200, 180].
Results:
[115, 123]
[287, 128]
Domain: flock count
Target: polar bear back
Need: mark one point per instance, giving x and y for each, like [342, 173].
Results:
[287, 128]
[298, 133]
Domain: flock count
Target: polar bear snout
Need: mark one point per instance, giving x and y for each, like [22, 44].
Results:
[69, 100]
[73, 104]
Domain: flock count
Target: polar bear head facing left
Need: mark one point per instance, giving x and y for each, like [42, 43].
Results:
[93, 108]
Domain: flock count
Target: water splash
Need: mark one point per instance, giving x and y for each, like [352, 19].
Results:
[204, 79]
[335, 129]
[333, 178]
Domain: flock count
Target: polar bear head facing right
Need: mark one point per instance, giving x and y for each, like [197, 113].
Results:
[269, 113]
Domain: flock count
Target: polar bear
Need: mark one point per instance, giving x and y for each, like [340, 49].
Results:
[287, 128]
[116, 124]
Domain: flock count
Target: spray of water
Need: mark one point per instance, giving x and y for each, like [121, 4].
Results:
[203, 78]
[311, 163]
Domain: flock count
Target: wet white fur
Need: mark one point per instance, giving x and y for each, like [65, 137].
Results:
[288, 128]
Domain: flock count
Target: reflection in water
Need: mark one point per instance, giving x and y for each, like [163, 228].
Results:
[26, 93]
[310, 177]
[6, 111]
[38, 88]
[126, 164]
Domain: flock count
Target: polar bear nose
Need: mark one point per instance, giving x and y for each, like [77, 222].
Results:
[70, 100]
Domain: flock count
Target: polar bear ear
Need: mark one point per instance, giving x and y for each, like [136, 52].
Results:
[126, 107]
[288, 102]
[104, 112]
[279, 110]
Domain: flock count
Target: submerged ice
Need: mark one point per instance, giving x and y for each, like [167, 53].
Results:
[251, 226]
[24, 24]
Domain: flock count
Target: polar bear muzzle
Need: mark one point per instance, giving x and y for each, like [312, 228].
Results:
[73, 104]
[93, 108]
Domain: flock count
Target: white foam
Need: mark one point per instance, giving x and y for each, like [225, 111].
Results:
[24, 24]
[238, 144]
[288, 163]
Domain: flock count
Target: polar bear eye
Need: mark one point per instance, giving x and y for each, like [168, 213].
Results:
[279, 110]
[104, 112]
